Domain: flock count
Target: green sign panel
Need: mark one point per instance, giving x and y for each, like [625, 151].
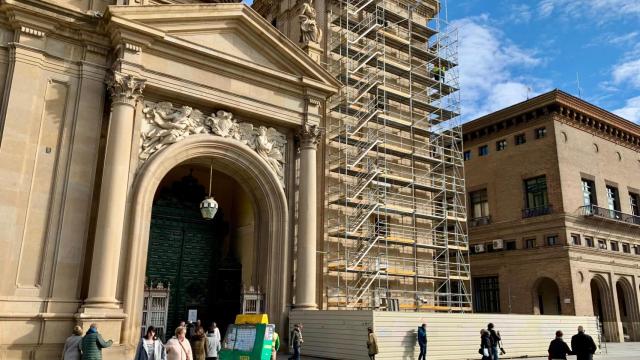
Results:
[248, 342]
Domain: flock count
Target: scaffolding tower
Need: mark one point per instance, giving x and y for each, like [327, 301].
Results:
[396, 219]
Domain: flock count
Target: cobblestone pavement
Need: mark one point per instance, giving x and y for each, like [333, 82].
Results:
[615, 351]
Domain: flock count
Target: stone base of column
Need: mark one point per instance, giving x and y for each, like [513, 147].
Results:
[314, 50]
[305, 307]
[109, 321]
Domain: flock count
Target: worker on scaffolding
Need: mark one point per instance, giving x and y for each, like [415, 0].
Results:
[438, 72]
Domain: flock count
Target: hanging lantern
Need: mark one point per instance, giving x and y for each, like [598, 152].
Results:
[208, 206]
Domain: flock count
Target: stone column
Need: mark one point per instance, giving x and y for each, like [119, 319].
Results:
[125, 91]
[307, 219]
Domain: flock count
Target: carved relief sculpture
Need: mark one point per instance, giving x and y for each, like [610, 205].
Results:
[309, 30]
[165, 125]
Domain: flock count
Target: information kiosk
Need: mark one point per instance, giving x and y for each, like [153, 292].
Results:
[250, 338]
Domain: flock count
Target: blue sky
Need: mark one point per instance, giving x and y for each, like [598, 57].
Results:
[513, 49]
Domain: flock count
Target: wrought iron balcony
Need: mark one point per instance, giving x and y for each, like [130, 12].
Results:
[482, 220]
[600, 212]
[537, 211]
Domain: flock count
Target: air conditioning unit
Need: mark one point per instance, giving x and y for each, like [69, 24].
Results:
[498, 244]
[479, 248]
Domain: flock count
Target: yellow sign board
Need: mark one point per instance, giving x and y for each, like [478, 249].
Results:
[252, 319]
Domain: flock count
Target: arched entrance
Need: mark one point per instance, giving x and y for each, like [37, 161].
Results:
[205, 262]
[264, 193]
[602, 302]
[546, 299]
[628, 309]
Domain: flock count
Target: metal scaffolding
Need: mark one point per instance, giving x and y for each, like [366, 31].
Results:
[396, 219]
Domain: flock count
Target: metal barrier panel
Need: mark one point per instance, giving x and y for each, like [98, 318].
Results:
[343, 334]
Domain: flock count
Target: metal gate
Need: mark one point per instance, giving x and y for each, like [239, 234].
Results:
[155, 309]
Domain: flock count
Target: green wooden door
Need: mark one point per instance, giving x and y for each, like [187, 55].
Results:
[185, 252]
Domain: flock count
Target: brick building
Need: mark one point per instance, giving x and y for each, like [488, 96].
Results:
[553, 191]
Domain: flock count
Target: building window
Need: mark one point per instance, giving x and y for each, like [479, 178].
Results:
[589, 193]
[520, 139]
[575, 239]
[626, 248]
[483, 150]
[486, 297]
[588, 241]
[501, 145]
[552, 240]
[479, 204]
[541, 132]
[467, 155]
[615, 246]
[636, 249]
[613, 202]
[530, 243]
[510, 245]
[602, 244]
[634, 200]
[536, 198]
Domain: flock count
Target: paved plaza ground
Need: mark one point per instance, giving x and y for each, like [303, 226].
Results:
[615, 351]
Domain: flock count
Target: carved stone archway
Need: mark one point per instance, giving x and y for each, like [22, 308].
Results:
[259, 181]
[546, 297]
[603, 306]
[628, 311]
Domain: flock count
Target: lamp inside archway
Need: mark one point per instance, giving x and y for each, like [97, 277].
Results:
[208, 206]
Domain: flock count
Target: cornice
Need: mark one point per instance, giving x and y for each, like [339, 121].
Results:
[565, 108]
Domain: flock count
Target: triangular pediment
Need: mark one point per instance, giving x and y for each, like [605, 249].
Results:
[233, 30]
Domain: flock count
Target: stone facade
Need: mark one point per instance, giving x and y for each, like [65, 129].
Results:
[550, 261]
[83, 152]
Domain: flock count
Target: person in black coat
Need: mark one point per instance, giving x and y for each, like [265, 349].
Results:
[583, 345]
[495, 338]
[558, 349]
[485, 345]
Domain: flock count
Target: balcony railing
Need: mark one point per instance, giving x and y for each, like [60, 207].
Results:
[483, 220]
[593, 210]
[537, 211]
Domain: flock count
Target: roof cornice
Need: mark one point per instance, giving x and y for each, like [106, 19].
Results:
[567, 109]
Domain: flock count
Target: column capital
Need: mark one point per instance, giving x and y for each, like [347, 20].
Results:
[124, 88]
[309, 136]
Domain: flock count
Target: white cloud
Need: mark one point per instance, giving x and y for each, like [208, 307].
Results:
[599, 10]
[627, 72]
[631, 110]
[520, 13]
[487, 63]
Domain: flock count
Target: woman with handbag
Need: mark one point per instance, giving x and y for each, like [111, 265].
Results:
[178, 347]
[485, 345]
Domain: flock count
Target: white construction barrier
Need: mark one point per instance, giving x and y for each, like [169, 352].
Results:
[342, 335]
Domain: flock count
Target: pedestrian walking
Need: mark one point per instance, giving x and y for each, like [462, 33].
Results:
[216, 331]
[558, 349]
[583, 345]
[213, 342]
[275, 347]
[72, 345]
[485, 345]
[150, 348]
[422, 341]
[93, 343]
[372, 344]
[178, 347]
[199, 344]
[296, 341]
[495, 341]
